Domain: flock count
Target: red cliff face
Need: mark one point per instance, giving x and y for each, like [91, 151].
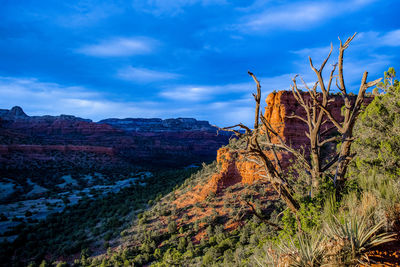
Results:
[171, 142]
[280, 106]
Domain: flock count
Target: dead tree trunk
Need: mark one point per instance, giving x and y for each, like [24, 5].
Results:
[352, 110]
[315, 119]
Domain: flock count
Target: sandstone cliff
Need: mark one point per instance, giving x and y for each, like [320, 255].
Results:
[37, 139]
[280, 106]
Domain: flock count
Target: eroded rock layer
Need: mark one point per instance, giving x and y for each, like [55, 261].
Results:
[26, 140]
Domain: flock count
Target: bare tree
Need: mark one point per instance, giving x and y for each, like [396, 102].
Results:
[352, 110]
[319, 120]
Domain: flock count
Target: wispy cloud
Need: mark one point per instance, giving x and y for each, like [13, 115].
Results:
[293, 16]
[40, 98]
[312, 52]
[142, 75]
[121, 46]
[298, 15]
[234, 111]
[203, 92]
[198, 93]
[391, 38]
[375, 39]
[188, 93]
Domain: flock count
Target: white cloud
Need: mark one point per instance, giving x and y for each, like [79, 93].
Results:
[294, 16]
[233, 112]
[142, 75]
[204, 92]
[197, 93]
[188, 93]
[40, 98]
[379, 39]
[117, 47]
[298, 16]
[280, 82]
[391, 38]
[313, 52]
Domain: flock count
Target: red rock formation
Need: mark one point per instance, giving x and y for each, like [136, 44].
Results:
[171, 142]
[280, 106]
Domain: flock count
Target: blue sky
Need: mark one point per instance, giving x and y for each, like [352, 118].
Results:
[180, 58]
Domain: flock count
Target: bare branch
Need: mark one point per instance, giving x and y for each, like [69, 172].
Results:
[329, 140]
[329, 164]
[297, 95]
[297, 117]
[326, 60]
[331, 78]
[373, 83]
[342, 48]
[257, 98]
[240, 125]
[278, 163]
[330, 116]
[237, 133]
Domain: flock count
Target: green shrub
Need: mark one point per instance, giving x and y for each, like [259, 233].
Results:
[172, 227]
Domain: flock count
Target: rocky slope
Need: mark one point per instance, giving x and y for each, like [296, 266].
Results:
[219, 199]
[212, 211]
[222, 190]
[37, 140]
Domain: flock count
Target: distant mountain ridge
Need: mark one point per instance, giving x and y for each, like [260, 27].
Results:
[17, 113]
[170, 142]
[159, 125]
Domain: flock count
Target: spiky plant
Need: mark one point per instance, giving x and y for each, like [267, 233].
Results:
[269, 257]
[358, 236]
[308, 252]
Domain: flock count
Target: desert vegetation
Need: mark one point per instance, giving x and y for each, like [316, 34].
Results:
[344, 226]
[338, 206]
[335, 204]
[98, 219]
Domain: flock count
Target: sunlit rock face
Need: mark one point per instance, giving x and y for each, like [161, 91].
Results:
[170, 142]
[281, 105]
[235, 168]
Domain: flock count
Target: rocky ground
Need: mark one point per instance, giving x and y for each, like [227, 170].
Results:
[40, 201]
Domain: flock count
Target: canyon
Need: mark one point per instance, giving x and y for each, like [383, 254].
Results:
[27, 141]
[221, 197]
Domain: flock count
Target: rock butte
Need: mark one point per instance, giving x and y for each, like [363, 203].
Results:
[280, 106]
